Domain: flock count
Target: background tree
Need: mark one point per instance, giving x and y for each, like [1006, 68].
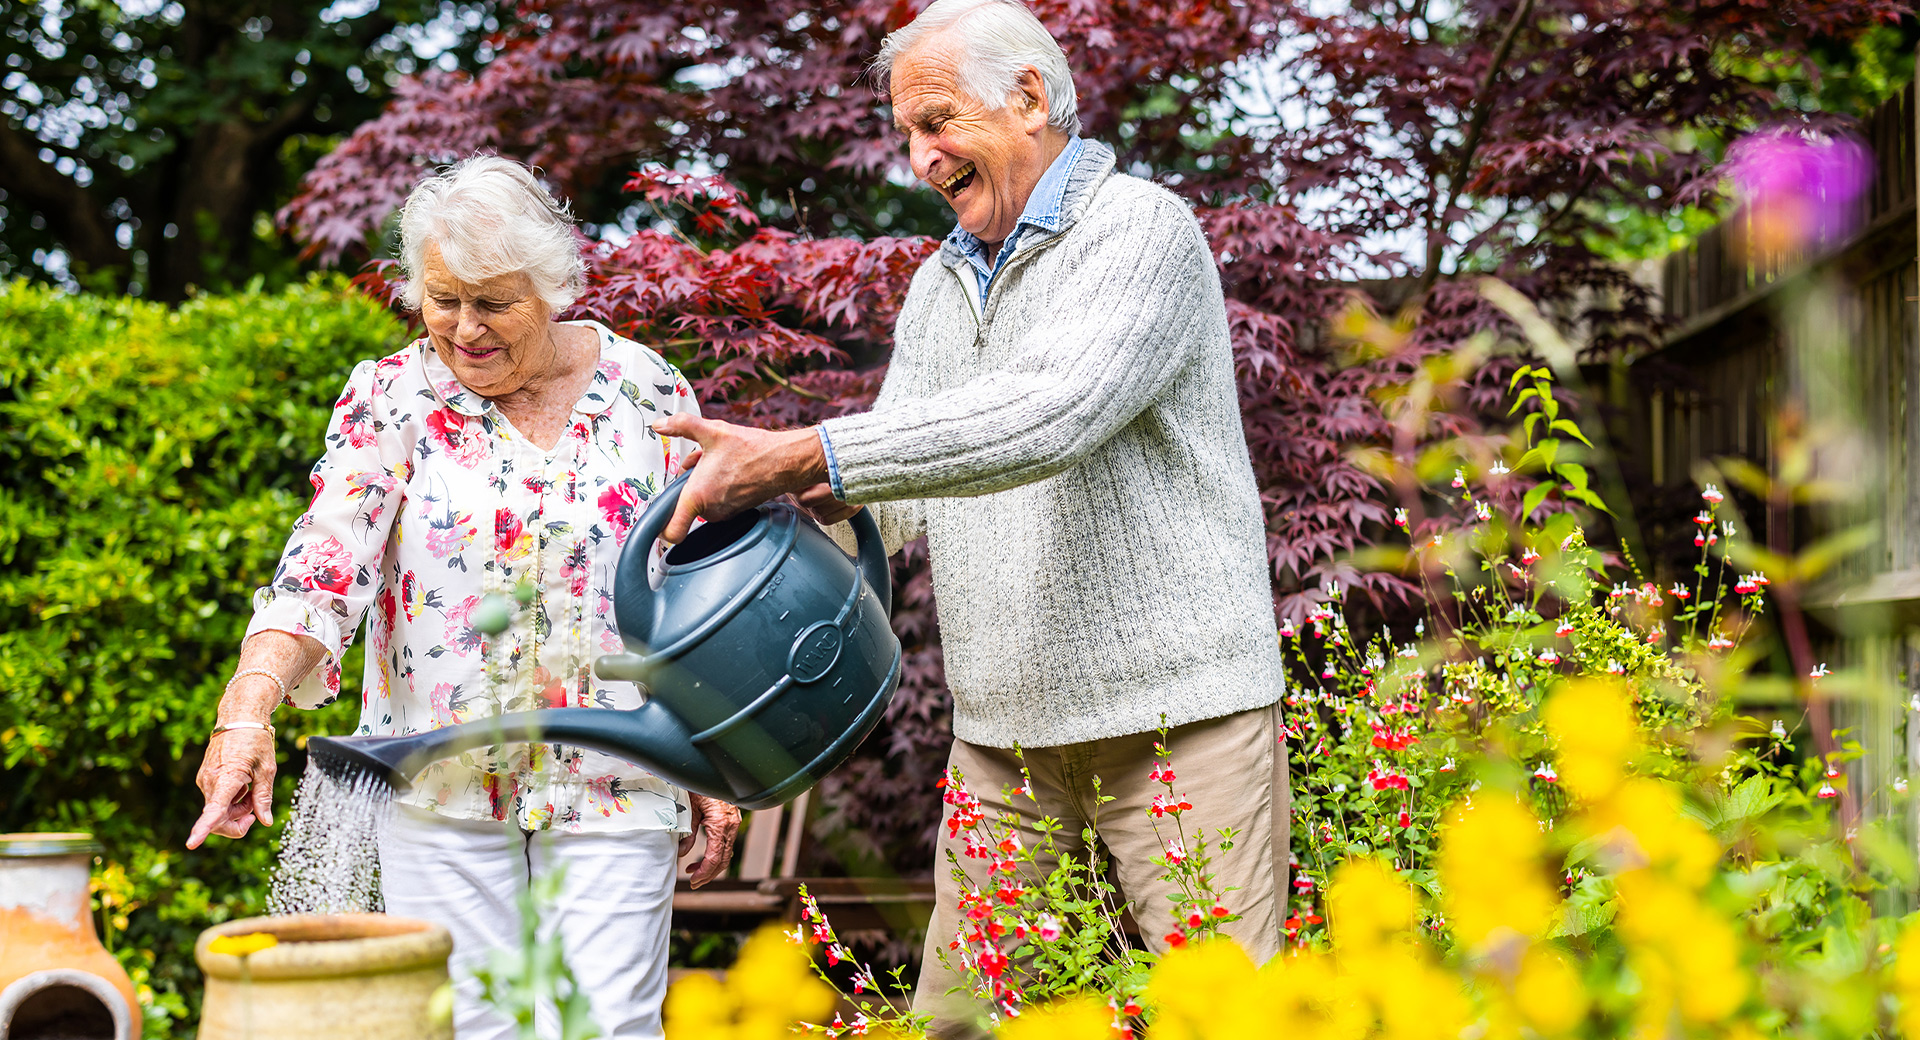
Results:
[1395, 147]
[143, 143]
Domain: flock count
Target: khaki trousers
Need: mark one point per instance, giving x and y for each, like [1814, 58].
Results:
[1233, 771]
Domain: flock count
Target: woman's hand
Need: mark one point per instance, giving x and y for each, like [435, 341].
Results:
[720, 822]
[237, 775]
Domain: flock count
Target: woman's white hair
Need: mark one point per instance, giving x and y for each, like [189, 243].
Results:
[998, 39]
[490, 216]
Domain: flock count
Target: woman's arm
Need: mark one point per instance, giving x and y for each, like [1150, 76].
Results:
[238, 769]
[307, 615]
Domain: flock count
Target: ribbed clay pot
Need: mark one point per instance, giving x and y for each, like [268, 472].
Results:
[367, 976]
[56, 980]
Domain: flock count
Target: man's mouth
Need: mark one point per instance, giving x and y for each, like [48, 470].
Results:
[957, 183]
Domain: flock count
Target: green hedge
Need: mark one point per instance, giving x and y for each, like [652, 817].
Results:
[151, 462]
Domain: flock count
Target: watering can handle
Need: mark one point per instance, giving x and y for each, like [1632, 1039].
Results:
[873, 558]
[866, 535]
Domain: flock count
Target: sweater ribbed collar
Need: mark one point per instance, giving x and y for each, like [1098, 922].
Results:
[1088, 169]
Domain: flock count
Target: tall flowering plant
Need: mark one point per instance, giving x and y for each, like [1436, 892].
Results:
[1381, 726]
[1686, 922]
[1039, 918]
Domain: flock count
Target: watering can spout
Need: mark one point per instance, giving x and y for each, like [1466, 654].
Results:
[649, 735]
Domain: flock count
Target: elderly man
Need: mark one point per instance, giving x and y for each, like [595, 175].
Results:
[1060, 421]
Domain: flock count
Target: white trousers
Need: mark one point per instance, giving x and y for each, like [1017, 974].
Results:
[613, 915]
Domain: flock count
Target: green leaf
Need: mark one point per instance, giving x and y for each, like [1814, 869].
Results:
[1568, 427]
[1543, 453]
[1754, 797]
[1535, 495]
[1589, 498]
[1816, 559]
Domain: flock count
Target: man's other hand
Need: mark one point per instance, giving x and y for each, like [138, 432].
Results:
[818, 502]
[740, 467]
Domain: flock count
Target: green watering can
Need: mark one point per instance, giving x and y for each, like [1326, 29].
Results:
[766, 654]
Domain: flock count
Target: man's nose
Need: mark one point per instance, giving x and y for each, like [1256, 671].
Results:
[922, 154]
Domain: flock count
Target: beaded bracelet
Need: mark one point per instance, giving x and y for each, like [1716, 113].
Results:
[277, 681]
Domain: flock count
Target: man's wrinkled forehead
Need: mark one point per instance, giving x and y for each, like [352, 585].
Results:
[931, 73]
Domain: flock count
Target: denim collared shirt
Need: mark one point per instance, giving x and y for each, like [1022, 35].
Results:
[1044, 212]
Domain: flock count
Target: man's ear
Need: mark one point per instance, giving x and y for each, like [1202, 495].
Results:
[1030, 94]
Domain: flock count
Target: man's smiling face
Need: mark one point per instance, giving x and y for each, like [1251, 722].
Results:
[983, 161]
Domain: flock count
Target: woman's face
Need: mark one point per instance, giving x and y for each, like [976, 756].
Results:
[494, 334]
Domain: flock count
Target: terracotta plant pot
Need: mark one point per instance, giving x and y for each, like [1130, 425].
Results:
[367, 976]
[56, 980]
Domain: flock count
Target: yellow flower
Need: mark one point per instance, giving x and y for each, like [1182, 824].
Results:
[1370, 905]
[1492, 873]
[698, 1006]
[1548, 992]
[770, 987]
[1077, 1019]
[1906, 978]
[1642, 825]
[1593, 724]
[241, 945]
[1678, 936]
[1197, 987]
[1415, 999]
[1309, 999]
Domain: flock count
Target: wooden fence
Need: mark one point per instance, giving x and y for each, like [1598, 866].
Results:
[1833, 336]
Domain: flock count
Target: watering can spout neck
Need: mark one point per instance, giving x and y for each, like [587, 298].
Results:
[648, 735]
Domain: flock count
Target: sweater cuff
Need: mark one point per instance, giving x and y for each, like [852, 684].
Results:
[833, 465]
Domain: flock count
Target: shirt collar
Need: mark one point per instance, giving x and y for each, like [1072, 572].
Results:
[1057, 200]
[1046, 207]
[600, 394]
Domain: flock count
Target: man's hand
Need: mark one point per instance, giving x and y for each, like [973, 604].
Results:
[740, 467]
[819, 503]
[720, 822]
[237, 775]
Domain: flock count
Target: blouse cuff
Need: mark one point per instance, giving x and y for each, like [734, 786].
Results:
[285, 612]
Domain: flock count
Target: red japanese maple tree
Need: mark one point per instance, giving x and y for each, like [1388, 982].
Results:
[1385, 146]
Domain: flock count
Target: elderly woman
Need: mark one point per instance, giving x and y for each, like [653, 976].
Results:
[505, 451]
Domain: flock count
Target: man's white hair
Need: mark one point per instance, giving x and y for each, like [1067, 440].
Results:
[490, 216]
[998, 39]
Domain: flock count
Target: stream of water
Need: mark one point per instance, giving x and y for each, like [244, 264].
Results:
[330, 848]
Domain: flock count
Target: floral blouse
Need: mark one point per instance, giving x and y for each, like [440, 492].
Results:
[427, 500]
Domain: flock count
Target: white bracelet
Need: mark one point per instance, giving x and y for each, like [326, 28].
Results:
[277, 681]
[225, 726]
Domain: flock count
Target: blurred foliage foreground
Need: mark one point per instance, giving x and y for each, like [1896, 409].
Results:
[1538, 814]
[150, 461]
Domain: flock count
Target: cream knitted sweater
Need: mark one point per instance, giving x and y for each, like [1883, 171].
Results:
[1076, 460]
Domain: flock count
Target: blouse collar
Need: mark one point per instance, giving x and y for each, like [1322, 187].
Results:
[600, 394]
